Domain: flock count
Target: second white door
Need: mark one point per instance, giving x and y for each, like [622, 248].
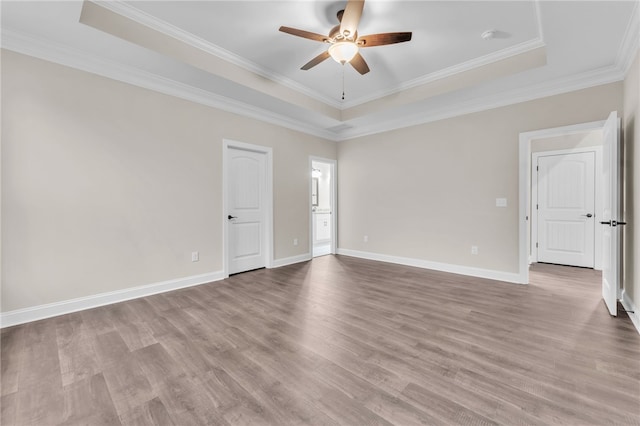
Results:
[566, 209]
[247, 176]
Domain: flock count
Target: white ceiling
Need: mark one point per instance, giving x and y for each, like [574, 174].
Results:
[584, 43]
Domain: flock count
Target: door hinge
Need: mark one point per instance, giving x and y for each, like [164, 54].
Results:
[536, 207]
[536, 245]
[537, 168]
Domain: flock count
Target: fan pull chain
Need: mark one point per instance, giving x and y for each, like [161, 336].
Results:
[343, 81]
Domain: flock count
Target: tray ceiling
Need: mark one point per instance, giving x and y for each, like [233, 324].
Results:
[230, 54]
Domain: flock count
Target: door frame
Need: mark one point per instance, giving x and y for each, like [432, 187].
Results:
[597, 241]
[524, 185]
[268, 197]
[333, 165]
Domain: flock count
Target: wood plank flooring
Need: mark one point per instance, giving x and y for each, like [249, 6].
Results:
[337, 340]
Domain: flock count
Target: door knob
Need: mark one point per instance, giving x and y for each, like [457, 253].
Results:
[232, 217]
[613, 223]
[588, 215]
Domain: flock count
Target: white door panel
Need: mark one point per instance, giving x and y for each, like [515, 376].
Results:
[247, 239]
[566, 209]
[246, 209]
[611, 201]
[245, 179]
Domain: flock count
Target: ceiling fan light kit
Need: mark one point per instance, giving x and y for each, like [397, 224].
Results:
[343, 51]
[344, 40]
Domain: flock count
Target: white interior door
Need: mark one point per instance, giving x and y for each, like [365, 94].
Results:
[566, 209]
[246, 205]
[611, 212]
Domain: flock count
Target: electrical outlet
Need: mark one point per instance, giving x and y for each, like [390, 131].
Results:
[366, 239]
[474, 249]
[195, 256]
[501, 202]
[295, 241]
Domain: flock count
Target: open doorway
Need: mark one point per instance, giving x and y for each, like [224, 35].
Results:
[608, 217]
[532, 144]
[323, 206]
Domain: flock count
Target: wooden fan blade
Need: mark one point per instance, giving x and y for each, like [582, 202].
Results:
[359, 64]
[303, 34]
[315, 61]
[351, 17]
[382, 39]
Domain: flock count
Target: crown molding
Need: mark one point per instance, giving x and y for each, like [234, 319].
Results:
[143, 18]
[558, 86]
[490, 58]
[617, 72]
[77, 59]
[449, 72]
[630, 42]
[53, 52]
[538, 14]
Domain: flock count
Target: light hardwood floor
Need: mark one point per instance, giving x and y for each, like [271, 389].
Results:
[337, 340]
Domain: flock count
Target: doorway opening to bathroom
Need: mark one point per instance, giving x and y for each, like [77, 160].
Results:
[323, 206]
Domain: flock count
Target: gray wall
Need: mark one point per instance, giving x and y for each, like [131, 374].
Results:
[429, 192]
[107, 186]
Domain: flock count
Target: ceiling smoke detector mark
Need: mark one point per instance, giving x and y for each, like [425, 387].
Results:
[488, 35]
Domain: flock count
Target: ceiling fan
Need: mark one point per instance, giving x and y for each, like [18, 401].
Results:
[344, 42]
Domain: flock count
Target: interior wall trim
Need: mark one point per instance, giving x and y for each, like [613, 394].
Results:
[491, 58]
[291, 260]
[629, 306]
[21, 316]
[630, 43]
[141, 17]
[56, 53]
[166, 28]
[436, 266]
[624, 57]
[524, 184]
[76, 59]
[559, 86]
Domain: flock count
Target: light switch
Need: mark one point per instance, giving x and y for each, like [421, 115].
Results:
[501, 202]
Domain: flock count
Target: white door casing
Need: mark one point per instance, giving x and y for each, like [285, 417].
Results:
[247, 212]
[566, 209]
[333, 215]
[611, 201]
[524, 185]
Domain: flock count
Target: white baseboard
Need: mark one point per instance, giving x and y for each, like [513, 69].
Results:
[291, 260]
[21, 316]
[437, 266]
[629, 306]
